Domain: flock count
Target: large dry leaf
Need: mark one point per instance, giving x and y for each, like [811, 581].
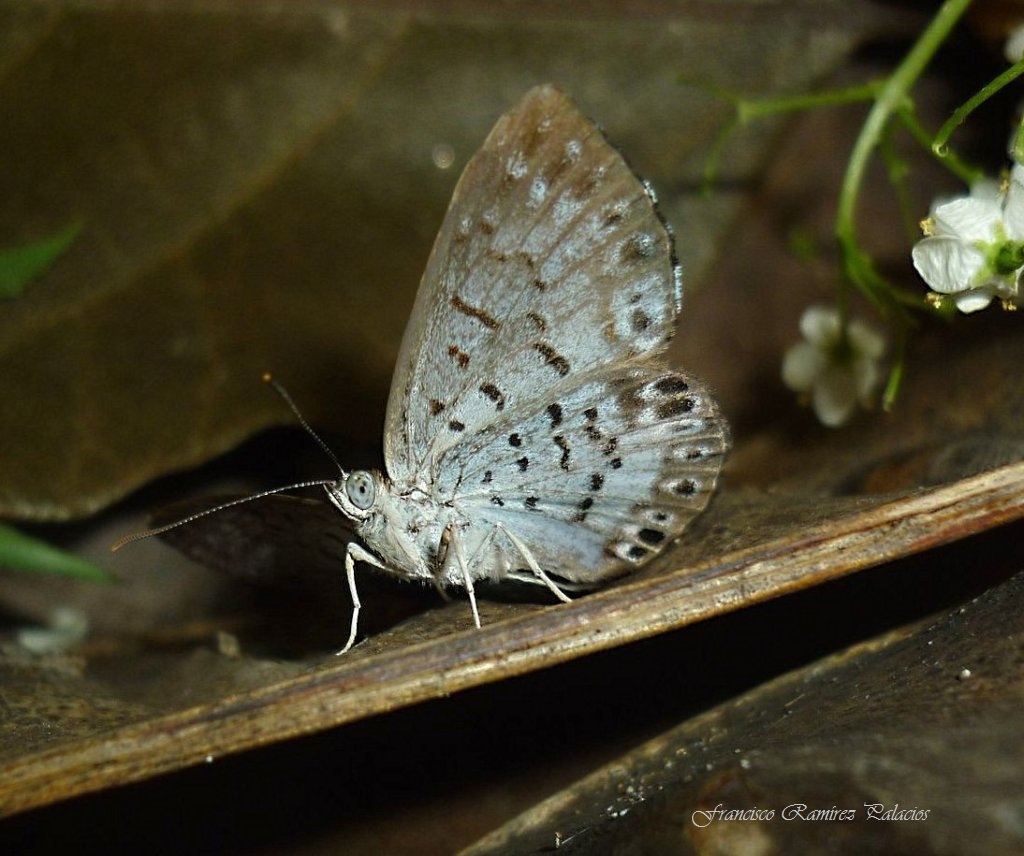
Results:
[925, 721]
[258, 192]
[77, 724]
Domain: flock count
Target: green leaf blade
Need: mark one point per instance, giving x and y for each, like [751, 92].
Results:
[21, 552]
[20, 265]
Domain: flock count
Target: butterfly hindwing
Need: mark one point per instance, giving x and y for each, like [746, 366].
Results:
[600, 478]
[283, 541]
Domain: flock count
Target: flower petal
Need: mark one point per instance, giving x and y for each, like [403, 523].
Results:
[1013, 205]
[801, 366]
[946, 264]
[972, 301]
[1013, 50]
[867, 342]
[865, 377]
[820, 325]
[987, 190]
[835, 396]
[968, 218]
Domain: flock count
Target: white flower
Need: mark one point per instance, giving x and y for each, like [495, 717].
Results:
[837, 370]
[974, 249]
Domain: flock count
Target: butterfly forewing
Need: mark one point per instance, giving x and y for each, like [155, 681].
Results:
[551, 262]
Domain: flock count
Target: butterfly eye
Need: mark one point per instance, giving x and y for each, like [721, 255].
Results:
[360, 489]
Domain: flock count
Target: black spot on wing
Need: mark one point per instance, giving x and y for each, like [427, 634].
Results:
[675, 407]
[651, 536]
[458, 355]
[562, 444]
[494, 394]
[481, 315]
[641, 245]
[559, 363]
[671, 385]
[685, 487]
[639, 320]
[585, 505]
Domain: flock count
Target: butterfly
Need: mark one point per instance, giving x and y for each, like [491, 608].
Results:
[533, 431]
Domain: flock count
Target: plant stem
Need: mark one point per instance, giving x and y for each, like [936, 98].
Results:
[747, 110]
[889, 100]
[965, 172]
[971, 104]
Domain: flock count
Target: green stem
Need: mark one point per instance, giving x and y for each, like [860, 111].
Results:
[898, 170]
[895, 379]
[971, 104]
[890, 98]
[965, 172]
[747, 110]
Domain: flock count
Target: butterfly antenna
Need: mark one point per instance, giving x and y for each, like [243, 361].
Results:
[159, 530]
[280, 390]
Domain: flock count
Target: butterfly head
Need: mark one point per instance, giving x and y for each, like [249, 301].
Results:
[357, 494]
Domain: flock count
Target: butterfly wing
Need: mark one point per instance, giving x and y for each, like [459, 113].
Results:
[528, 390]
[551, 261]
[282, 541]
[598, 478]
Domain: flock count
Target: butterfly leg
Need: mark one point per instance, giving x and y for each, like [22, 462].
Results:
[437, 576]
[453, 538]
[354, 553]
[439, 588]
[534, 565]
